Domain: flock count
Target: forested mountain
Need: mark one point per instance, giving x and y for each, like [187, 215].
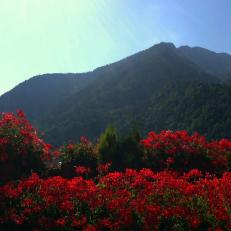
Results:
[163, 87]
[218, 64]
[228, 79]
[193, 106]
[40, 94]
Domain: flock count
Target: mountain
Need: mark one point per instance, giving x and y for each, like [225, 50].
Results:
[218, 64]
[228, 78]
[191, 106]
[40, 94]
[158, 88]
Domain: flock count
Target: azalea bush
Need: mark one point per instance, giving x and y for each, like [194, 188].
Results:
[175, 181]
[182, 152]
[130, 200]
[21, 150]
[82, 154]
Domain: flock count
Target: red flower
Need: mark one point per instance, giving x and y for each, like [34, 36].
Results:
[81, 170]
[104, 168]
[61, 222]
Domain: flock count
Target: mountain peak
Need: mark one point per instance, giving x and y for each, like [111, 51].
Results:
[162, 48]
[165, 45]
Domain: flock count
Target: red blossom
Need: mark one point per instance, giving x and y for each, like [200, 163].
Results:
[178, 192]
[147, 195]
[104, 168]
[60, 222]
[81, 170]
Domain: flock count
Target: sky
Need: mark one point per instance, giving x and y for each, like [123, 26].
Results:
[63, 36]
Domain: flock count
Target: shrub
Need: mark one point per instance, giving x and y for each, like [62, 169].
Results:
[121, 151]
[130, 200]
[107, 146]
[82, 154]
[182, 152]
[21, 150]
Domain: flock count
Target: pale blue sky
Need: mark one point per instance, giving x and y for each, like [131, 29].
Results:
[47, 36]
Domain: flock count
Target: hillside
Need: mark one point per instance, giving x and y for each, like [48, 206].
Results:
[191, 106]
[146, 90]
[218, 64]
[42, 92]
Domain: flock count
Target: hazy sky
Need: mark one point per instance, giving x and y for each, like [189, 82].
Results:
[47, 36]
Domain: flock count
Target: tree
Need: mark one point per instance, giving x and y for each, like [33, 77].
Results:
[107, 145]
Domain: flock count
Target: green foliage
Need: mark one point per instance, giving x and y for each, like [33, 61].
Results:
[108, 144]
[74, 155]
[191, 106]
[174, 224]
[129, 151]
[122, 151]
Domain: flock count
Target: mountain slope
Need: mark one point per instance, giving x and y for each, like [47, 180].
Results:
[121, 93]
[193, 106]
[218, 64]
[126, 94]
[41, 94]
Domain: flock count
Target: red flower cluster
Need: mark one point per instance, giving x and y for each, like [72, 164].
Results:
[83, 155]
[21, 150]
[182, 152]
[189, 189]
[103, 168]
[81, 170]
[133, 200]
[17, 132]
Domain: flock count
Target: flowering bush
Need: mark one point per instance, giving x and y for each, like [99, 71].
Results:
[21, 151]
[81, 154]
[189, 189]
[181, 152]
[130, 200]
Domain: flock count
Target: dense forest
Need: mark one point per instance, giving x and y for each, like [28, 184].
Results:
[192, 106]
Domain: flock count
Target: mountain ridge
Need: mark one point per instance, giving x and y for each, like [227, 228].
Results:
[119, 93]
